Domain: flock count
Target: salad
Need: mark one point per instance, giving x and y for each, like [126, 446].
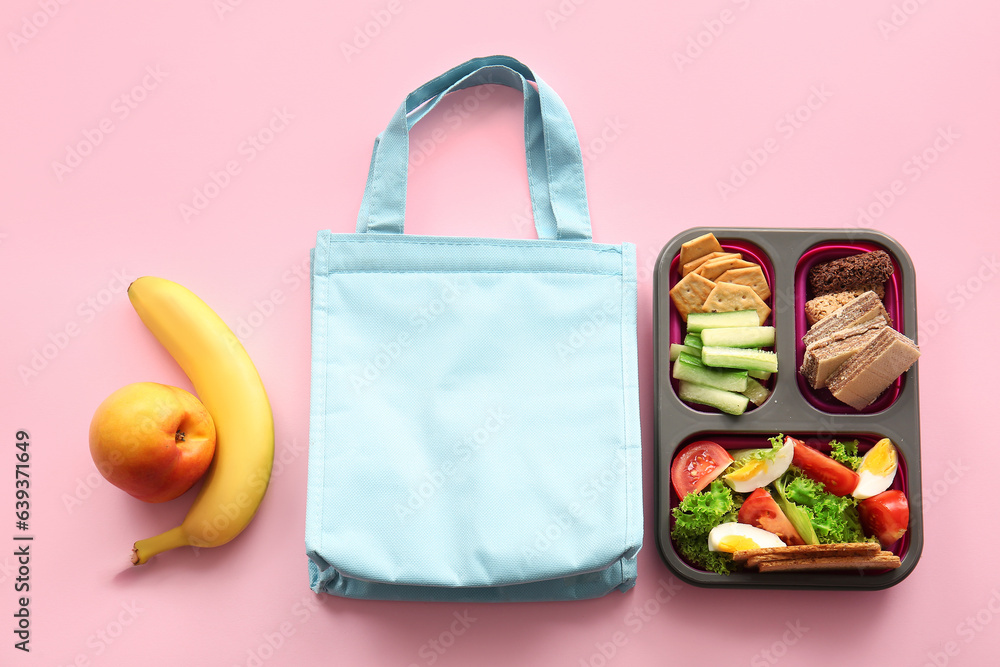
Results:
[783, 495]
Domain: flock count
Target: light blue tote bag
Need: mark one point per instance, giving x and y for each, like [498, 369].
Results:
[474, 417]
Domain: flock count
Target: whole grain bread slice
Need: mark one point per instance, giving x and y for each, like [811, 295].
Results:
[885, 560]
[802, 550]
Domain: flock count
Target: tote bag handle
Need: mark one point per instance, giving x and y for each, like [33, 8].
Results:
[555, 165]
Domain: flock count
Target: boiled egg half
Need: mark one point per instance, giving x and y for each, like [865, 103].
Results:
[759, 472]
[877, 469]
[731, 537]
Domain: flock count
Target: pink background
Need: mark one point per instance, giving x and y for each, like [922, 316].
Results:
[669, 99]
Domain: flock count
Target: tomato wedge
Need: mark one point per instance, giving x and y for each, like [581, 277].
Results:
[835, 477]
[760, 510]
[885, 515]
[697, 465]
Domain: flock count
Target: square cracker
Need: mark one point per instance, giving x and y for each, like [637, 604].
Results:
[728, 297]
[716, 267]
[695, 264]
[752, 277]
[690, 293]
[699, 247]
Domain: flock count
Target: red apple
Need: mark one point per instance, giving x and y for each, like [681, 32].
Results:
[152, 440]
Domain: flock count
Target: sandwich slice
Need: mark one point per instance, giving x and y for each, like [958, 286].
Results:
[858, 310]
[825, 356]
[870, 371]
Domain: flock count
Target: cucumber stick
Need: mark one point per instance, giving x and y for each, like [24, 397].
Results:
[720, 361]
[691, 358]
[739, 337]
[756, 392]
[698, 322]
[729, 380]
[736, 357]
[693, 340]
[676, 349]
[726, 401]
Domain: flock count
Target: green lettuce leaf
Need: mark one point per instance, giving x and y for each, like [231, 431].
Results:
[799, 516]
[694, 517]
[846, 453]
[834, 518]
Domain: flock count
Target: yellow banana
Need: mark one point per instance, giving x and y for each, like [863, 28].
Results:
[228, 384]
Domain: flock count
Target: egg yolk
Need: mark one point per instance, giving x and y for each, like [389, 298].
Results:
[880, 460]
[733, 543]
[748, 471]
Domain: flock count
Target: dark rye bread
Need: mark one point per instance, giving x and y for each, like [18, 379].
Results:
[861, 379]
[847, 273]
[824, 357]
[856, 311]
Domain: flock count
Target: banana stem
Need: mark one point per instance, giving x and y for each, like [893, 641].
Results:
[143, 550]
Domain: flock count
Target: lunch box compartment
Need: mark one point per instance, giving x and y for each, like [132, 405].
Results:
[793, 408]
[751, 253]
[820, 441]
[828, 251]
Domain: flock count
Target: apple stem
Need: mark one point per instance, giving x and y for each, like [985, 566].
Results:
[143, 550]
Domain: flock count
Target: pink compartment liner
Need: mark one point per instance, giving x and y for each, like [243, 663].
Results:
[866, 441]
[751, 253]
[822, 399]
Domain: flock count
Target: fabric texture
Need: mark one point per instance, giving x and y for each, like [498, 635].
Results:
[474, 417]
